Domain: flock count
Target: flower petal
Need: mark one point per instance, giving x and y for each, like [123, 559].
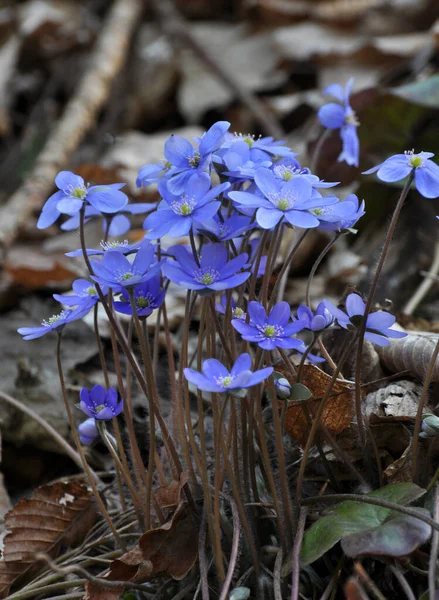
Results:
[331, 115]
[355, 305]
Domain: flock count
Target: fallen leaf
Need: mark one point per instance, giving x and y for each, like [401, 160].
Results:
[412, 353]
[31, 268]
[167, 551]
[60, 513]
[169, 496]
[337, 413]
[400, 470]
[398, 400]
[96, 592]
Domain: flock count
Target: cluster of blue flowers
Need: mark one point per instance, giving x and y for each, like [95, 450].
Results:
[225, 190]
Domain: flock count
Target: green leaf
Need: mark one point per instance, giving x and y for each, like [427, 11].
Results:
[424, 92]
[352, 517]
[299, 392]
[399, 535]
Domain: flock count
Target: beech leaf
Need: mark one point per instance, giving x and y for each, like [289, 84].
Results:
[60, 513]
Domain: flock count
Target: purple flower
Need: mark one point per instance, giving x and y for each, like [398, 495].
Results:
[175, 215]
[88, 431]
[118, 223]
[333, 213]
[341, 116]
[216, 378]
[147, 295]
[189, 161]
[222, 231]
[85, 294]
[260, 148]
[153, 173]
[314, 322]
[239, 163]
[287, 168]
[236, 312]
[337, 222]
[270, 331]
[214, 273]
[377, 325]
[290, 201]
[100, 404]
[124, 248]
[283, 387]
[116, 271]
[55, 322]
[73, 193]
[399, 166]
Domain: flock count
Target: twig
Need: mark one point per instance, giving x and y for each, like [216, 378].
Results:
[433, 551]
[403, 582]
[296, 553]
[177, 28]
[50, 430]
[421, 405]
[425, 286]
[79, 115]
[364, 577]
[277, 577]
[234, 553]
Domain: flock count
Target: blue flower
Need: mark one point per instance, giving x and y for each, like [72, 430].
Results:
[260, 148]
[124, 248]
[99, 403]
[341, 116]
[238, 161]
[399, 166]
[236, 312]
[337, 221]
[290, 201]
[55, 322]
[118, 223]
[85, 294]
[117, 272]
[377, 325]
[73, 193]
[283, 387]
[147, 295]
[153, 173]
[314, 322]
[334, 214]
[270, 331]
[175, 215]
[287, 168]
[229, 229]
[88, 431]
[188, 160]
[216, 378]
[214, 273]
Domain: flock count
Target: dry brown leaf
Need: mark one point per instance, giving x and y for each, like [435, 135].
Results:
[401, 470]
[55, 514]
[167, 551]
[398, 400]
[32, 269]
[169, 496]
[412, 353]
[338, 411]
[96, 592]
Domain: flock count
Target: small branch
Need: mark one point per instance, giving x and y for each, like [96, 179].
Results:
[79, 116]
[176, 27]
[50, 430]
[425, 286]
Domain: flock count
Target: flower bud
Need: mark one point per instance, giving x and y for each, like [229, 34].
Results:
[87, 431]
[430, 426]
[283, 388]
